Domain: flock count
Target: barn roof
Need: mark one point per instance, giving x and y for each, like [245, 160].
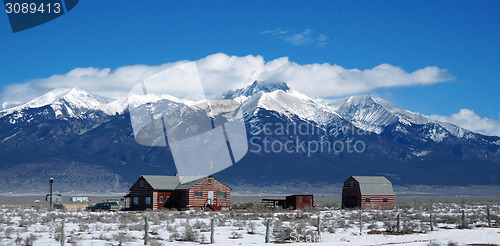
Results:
[374, 185]
[172, 182]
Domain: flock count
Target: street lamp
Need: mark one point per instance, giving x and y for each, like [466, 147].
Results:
[51, 180]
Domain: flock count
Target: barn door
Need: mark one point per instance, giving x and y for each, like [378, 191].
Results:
[352, 202]
[210, 197]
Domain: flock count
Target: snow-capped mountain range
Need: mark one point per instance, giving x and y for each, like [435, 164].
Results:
[367, 112]
[74, 126]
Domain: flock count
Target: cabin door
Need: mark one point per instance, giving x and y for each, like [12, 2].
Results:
[210, 197]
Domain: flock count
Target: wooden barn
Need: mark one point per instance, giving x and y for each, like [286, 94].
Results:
[181, 192]
[367, 192]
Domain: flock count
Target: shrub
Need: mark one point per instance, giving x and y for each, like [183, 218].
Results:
[235, 235]
[251, 227]
[189, 234]
[120, 238]
[198, 224]
[30, 240]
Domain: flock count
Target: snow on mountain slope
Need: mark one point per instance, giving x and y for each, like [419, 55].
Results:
[456, 130]
[70, 103]
[289, 103]
[373, 114]
[366, 112]
[255, 88]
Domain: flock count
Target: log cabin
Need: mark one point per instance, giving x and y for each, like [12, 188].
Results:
[180, 192]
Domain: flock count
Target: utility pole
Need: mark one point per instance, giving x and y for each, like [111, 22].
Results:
[51, 180]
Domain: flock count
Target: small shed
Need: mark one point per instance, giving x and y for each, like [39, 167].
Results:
[275, 202]
[296, 202]
[368, 192]
[300, 202]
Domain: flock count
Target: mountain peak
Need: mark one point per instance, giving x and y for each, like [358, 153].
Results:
[255, 87]
[368, 99]
[372, 113]
[67, 98]
[74, 96]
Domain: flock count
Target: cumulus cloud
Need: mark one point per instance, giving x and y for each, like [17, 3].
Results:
[468, 119]
[220, 73]
[296, 39]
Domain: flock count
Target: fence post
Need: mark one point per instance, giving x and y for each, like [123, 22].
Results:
[397, 225]
[488, 215]
[146, 227]
[360, 223]
[319, 228]
[267, 231]
[432, 226]
[463, 219]
[62, 233]
[212, 239]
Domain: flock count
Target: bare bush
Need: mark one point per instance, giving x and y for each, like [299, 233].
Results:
[189, 234]
[251, 227]
[120, 238]
[30, 240]
[235, 235]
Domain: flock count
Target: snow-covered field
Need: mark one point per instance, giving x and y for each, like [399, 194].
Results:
[25, 224]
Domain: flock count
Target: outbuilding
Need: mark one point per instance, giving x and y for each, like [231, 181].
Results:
[295, 202]
[368, 192]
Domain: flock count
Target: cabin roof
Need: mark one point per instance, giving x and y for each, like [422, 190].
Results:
[188, 183]
[374, 185]
[159, 182]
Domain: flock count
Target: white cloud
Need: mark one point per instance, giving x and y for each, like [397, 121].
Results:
[296, 39]
[220, 72]
[467, 119]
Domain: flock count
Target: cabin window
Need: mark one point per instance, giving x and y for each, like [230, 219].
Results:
[160, 199]
[385, 199]
[351, 184]
[367, 199]
[209, 181]
[198, 194]
[136, 200]
[141, 183]
[221, 195]
[148, 200]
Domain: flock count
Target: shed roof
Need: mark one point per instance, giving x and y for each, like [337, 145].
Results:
[374, 185]
[172, 182]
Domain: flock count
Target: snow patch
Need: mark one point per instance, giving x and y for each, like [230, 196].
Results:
[437, 136]
[421, 153]
[401, 129]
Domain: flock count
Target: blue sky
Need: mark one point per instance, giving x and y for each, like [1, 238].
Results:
[460, 37]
